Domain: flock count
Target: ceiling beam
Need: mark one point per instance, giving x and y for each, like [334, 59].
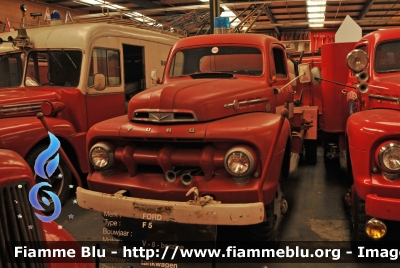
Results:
[365, 9]
[272, 19]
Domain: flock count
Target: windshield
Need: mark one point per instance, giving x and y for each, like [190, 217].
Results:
[387, 57]
[225, 59]
[54, 68]
[11, 69]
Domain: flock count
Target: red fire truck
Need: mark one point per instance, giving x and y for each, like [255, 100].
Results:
[221, 126]
[19, 225]
[78, 75]
[370, 147]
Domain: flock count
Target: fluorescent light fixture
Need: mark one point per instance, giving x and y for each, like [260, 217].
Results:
[229, 13]
[142, 18]
[112, 6]
[316, 12]
[99, 3]
[91, 2]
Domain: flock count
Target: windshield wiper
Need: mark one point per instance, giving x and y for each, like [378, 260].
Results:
[73, 63]
[51, 54]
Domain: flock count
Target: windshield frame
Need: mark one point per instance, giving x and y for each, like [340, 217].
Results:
[214, 49]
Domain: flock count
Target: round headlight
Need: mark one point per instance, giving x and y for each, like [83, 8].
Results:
[389, 157]
[357, 60]
[240, 161]
[101, 156]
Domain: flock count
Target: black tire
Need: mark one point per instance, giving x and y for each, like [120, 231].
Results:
[310, 150]
[326, 159]
[359, 220]
[264, 231]
[60, 187]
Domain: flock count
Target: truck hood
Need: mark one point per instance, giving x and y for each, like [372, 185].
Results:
[22, 102]
[198, 100]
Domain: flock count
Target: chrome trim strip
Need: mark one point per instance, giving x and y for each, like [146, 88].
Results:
[235, 104]
[380, 97]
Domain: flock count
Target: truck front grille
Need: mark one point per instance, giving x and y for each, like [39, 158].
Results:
[21, 109]
[171, 156]
[164, 116]
[18, 226]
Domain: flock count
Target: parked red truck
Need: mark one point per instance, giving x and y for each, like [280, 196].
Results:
[18, 222]
[78, 75]
[371, 146]
[221, 127]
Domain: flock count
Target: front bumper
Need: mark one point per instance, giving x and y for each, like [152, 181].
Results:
[382, 207]
[190, 212]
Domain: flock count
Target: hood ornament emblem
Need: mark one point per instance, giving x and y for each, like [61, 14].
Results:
[159, 117]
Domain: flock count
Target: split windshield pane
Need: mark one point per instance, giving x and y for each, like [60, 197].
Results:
[387, 57]
[54, 68]
[11, 69]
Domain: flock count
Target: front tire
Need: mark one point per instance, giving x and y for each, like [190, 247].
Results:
[270, 230]
[359, 221]
[264, 231]
[60, 180]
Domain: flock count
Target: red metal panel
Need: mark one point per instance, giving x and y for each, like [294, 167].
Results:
[382, 208]
[335, 108]
[104, 106]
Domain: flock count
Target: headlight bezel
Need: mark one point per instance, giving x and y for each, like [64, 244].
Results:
[108, 149]
[350, 60]
[382, 152]
[249, 153]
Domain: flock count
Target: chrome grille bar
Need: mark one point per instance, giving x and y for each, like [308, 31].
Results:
[14, 230]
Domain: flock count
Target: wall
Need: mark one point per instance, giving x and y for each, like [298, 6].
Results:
[9, 9]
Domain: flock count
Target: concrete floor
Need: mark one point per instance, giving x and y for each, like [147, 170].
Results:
[316, 213]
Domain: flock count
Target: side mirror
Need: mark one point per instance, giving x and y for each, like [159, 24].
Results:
[99, 82]
[316, 76]
[304, 71]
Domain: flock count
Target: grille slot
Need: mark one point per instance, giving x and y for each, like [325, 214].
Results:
[14, 231]
[20, 109]
[184, 116]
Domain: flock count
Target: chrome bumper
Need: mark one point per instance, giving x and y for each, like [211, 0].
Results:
[191, 212]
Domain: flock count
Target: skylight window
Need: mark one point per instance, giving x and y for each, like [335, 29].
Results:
[316, 12]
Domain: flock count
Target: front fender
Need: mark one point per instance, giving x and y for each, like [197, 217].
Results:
[21, 134]
[58, 238]
[365, 131]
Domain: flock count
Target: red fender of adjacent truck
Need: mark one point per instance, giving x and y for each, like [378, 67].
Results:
[21, 134]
